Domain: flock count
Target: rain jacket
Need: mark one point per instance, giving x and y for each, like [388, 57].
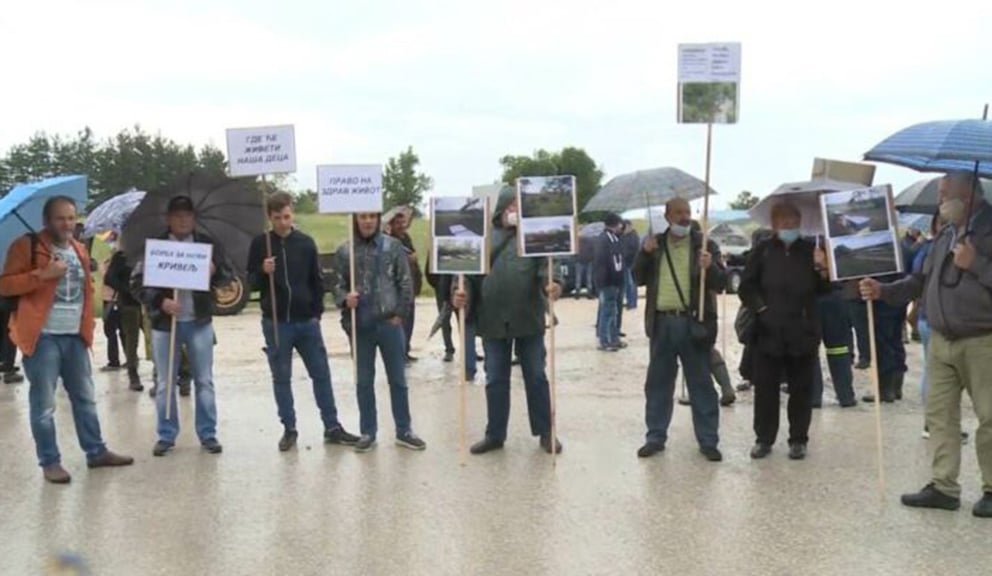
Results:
[384, 280]
[509, 302]
[298, 278]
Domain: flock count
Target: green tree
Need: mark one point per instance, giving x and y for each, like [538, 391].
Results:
[569, 161]
[402, 184]
[306, 202]
[744, 201]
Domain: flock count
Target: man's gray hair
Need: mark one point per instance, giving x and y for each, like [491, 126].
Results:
[963, 178]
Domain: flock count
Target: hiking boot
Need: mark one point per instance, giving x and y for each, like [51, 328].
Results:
[487, 444]
[134, 381]
[760, 451]
[650, 449]
[983, 508]
[449, 356]
[930, 497]
[797, 451]
[161, 448]
[340, 436]
[212, 446]
[546, 444]
[56, 474]
[728, 397]
[365, 444]
[410, 440]
[110, 460]
[288, 440]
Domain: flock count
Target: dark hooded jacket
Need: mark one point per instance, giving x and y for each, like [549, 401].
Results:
[299, 283]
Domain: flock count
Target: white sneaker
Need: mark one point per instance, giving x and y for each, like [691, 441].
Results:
[926, 434]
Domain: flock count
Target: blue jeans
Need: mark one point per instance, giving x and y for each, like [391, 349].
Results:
[630, 287]
[390, 339]
[307, 339]
[672, 343]
[499, 354]
[607, 330]
[583, 276]
[199, 342]
[58, 356]
[923, 326]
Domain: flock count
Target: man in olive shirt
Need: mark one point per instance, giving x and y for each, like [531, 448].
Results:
[956, 285]
[669, 264]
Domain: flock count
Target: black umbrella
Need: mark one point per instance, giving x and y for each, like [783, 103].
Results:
[229, 210]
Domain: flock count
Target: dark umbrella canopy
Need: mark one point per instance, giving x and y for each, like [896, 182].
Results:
[229, 210]
[921, 197]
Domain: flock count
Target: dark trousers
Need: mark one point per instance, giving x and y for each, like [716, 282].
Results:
[131, 328]
[835, 323]
[767, 377]
[672, 343]
[8, 352]
[891, 351]
[859, 320]
[499, 352]
[111, 329]
[449, 343]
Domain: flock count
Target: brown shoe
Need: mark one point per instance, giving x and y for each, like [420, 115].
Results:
[108, 459]
[56, 474]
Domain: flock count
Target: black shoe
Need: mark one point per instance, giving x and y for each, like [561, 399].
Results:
[797, 451]
[850, 404]
[862, 365]
[712, 453]
[930, 497]
[650, 449]
[546, 444]
[728, 397]
[449, 356]
[340, 436]
[288, 440]
[111, 368]
[134, 382]
[212, 446]
[485, 445]
[365, 444]
[184, 385]
[411, 441]
[743, 386]
[895, 385]
[161, 448]
[12, 378]
[623, 334]
[410, 359]
[983, 508]
[684, 401]
[760, 451]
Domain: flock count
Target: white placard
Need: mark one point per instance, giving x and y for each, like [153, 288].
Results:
[262, 150]
[179, 265]
[709, 83]
[349, 188]
[546, 206]
[862, 233]
[459, 235]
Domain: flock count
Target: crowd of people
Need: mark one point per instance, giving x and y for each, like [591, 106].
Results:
[790, 306]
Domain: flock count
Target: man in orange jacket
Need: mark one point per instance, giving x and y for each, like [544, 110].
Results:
[53, 326]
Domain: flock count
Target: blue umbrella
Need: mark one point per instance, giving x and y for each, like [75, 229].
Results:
[112, 214]
[943, 146]
[21, 208]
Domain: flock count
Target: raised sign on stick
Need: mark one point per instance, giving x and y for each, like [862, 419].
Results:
[258, 151]
[177, 265]
[349, 188]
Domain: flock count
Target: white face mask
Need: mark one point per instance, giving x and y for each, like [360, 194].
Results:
[512, 219]
[679, 230]
[952, 211]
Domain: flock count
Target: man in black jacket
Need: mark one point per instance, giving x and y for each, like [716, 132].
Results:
[294, 268]
[194, 329]
[118, 278]
[670, 265]
[609, 273]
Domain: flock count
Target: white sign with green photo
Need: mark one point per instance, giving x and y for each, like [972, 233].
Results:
[709, 83]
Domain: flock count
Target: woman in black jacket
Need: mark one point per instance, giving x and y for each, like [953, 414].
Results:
[781, 282]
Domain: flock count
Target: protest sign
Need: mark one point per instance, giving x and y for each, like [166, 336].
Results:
[546, 206]
[709, 83]
[459, 229]
[178, 265]
[861, 233]
[344, 189]
[262, 150]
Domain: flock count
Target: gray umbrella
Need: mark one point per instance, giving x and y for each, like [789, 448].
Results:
[645, 189]
[921, 197]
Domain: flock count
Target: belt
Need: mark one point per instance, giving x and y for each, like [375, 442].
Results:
[672, 312]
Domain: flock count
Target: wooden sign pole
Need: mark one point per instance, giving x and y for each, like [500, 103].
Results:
[704, 224]
[462, 379]
[272, 277]
[354, 311]
[170, 378]
[878, 396]
[551, 364]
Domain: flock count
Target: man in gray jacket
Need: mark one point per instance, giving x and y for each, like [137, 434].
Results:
[382, 297]
[956, 285]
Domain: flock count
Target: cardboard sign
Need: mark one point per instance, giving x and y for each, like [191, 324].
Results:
[861, 233]
[546, 206]
[178, 265]
[459, 234]
[265, 150]
[347, 189]
[709, 83]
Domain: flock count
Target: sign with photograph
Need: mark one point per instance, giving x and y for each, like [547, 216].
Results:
[349, 188]
[178, 265]
[709, 83]
[257, 151]
[861, 233]
[546, 207]
[459, 233]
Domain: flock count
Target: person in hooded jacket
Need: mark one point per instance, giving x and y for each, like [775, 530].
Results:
[510, 311]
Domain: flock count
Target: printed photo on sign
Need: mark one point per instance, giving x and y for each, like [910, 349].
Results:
[347, 189]
[548, 236]
[546, 196]
[709, 83]
[862, 233]
[178, 265]
[459, 229]
[262, 150]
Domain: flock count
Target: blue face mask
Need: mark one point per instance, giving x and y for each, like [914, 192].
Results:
[788, 236]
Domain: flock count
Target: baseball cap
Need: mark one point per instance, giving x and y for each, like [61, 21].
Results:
[180, 204]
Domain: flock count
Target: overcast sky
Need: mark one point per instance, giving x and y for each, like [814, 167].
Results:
[467, 82]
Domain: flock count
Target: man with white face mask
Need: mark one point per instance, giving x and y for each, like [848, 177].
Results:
[956, 285]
